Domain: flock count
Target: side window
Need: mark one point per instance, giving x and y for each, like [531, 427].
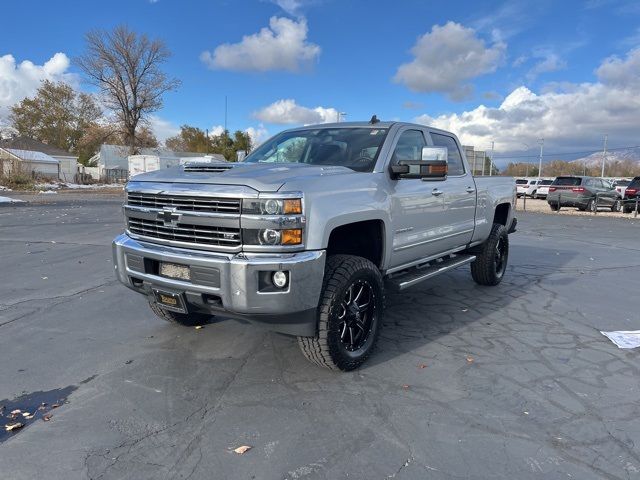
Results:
[409, 146]
[456, 167]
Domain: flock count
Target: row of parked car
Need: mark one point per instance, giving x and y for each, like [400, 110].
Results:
[582, 192]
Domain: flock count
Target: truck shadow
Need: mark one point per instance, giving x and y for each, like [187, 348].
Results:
[453, 303]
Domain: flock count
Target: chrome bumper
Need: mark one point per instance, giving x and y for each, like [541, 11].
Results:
[228, 284]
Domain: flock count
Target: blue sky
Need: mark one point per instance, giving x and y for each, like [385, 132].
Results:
[524, 61]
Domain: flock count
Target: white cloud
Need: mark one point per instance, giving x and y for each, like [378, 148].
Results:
[446, 58]
[258, 134]
[162, 128]
[621, 72]
[20, 80]
[292, 7]
[281, 46]
[216, 130]
[287, 111]
[550, 62]
[568, 116]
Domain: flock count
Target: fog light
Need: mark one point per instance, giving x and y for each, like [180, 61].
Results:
[279, 279]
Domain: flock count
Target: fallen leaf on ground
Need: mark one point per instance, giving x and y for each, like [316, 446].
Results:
[406, 387]
[422, 365]
[198, 327]
[242, 449]
[25, 414]
[465, 309]
[13, 426]
[469, 359]
[16, 411]
[47, 417]
[55, 405]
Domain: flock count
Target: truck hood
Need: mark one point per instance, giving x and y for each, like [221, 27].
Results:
[264, 177]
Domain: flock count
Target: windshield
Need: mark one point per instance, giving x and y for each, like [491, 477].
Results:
[546, 182]
[355, 148]
[568, 181]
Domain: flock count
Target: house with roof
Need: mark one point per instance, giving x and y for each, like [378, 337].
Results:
[67, 162]
[35, 164]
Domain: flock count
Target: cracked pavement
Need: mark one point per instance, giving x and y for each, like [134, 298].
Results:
[513, 381]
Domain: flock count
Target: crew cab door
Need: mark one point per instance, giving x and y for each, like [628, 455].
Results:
[421, 227]
[460, 193]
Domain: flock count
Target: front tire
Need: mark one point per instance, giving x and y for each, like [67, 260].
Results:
[349, 314]
[616, 206]
[186, 319]
[491, 261]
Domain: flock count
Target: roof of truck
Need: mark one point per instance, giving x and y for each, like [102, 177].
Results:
[366, 124]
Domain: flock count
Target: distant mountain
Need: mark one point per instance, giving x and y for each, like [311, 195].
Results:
[595, 159]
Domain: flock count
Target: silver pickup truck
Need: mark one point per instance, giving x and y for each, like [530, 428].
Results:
[307, 233]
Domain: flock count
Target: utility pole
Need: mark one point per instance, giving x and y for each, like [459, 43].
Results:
[604, 154]
[225, 114]
[491, 158]
[540, 161]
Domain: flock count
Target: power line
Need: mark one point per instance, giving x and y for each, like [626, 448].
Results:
[586, 152]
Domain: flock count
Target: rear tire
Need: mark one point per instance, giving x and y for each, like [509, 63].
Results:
[534, 195]
[626, 209]
[554, 207]
[491, 260]
[591, 206]
[349, 314]
[186, 319]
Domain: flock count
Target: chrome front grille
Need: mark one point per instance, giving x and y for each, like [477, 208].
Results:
[185, 219]
[185, 233]
[189, 203]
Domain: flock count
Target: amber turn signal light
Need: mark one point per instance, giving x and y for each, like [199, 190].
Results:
[291, 237]
[292, 206]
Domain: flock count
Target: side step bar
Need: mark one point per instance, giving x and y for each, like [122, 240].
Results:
[403, 280]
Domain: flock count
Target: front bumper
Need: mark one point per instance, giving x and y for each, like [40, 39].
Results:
[229, 284]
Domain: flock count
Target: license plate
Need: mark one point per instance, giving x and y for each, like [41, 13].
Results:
[170, 300]
[172, 270]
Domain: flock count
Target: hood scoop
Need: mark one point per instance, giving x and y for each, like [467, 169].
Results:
[207, 167]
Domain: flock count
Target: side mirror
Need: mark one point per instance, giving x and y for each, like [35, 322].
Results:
[432, 166]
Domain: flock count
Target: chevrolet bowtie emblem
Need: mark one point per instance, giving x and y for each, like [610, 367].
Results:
[169, 217]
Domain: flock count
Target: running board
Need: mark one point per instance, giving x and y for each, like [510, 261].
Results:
[403, 280]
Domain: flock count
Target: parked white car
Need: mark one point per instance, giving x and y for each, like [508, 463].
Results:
[543, 188]
[527, 186]
[621, 186]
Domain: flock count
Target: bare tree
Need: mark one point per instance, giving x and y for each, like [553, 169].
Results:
[125, 67]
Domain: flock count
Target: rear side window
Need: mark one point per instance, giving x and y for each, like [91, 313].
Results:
[635, 183]
[456, 167]
[567, 181]
[521, 181]
[546, 182]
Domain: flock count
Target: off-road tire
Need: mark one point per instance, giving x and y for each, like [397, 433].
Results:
[554, 207]
[326, 348]
[485, 269]
[186, 319]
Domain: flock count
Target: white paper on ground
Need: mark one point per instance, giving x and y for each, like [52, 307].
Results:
[624, 339]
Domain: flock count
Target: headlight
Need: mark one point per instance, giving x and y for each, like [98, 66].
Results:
[272, 206]
[272, 237]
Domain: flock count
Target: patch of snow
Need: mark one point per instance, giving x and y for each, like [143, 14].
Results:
[9, 200]
[5, 189]
[48, 192]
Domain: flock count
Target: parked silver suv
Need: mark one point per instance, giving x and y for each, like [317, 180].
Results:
[585, 193]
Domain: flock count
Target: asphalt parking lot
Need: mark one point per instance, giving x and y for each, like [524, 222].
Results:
[468, 382]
